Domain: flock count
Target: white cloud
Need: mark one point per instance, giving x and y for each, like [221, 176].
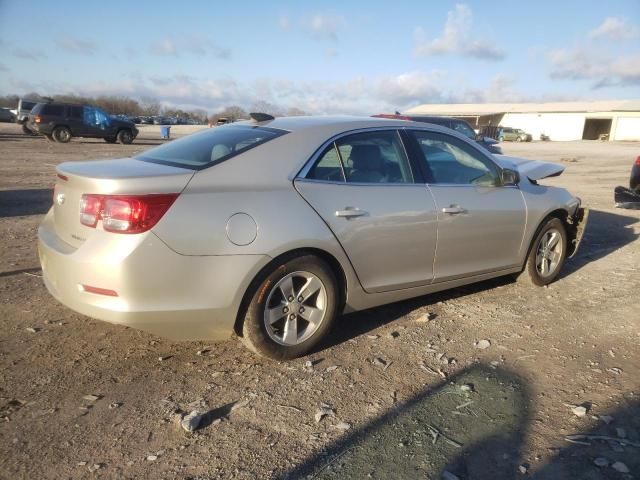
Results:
[27, 54]
[76, 45]
[456, 38]
[325, 25]
[589, 64]
[198, 45]
[615, 28]
[284, 22]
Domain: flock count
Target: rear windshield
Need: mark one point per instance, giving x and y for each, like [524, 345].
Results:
[47, 109]
[215, 145]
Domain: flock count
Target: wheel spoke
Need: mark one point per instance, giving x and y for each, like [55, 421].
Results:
[553, 240]
[275, 314]
[286, 287]
[310, 287]
[312, 315]
[543, 266]
[290, 331]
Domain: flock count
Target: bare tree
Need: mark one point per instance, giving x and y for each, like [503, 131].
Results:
[266, 107]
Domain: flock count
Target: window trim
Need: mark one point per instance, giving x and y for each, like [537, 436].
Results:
[279, 133]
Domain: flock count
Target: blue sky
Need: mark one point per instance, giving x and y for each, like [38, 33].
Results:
[323, 57]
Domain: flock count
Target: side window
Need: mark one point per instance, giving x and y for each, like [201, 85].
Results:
[102, 119]
[451, 161]
[53, 110]
[374, 157]
[89, 116]
[75, 112]
[328, 167]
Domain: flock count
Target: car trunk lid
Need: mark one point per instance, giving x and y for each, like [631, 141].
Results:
[124, 176]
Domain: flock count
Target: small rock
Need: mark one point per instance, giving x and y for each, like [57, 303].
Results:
[91, 398]
[606, 419]
[308, 365]
[379, 362]
[523, 469]
[467, 387]
[152, 458]
[447, 475]
[164, 357]
[204, 351]
[579, 410]
[620, 467]
[332, 368]
[81, 464]
[482, 344]
[192, 421]
[614, 370]
[32, 330]
[95, 466]
[344, 426]
[621, 432]
[393, 335]
[601, 462]
[240, 404]
[373, 337]
[114, 405]
[323, 411]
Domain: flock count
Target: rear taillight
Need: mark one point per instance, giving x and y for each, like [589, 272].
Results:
[37, 119]
[90, 209]
[638, 161]
[125, 213]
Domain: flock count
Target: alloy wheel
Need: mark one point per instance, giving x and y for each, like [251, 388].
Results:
[549, 253]
[295, 308]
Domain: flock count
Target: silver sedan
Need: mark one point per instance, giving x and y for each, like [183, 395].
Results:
[272, 228]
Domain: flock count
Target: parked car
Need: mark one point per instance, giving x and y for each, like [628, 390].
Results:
[22, 113]
[160, 121]
[630, 197]
[61, 121]
[513, 135]
[7, 115]
[146, 120]
[273, 228]
[454, 124]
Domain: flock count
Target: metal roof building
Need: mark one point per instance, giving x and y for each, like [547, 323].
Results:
[615, 119]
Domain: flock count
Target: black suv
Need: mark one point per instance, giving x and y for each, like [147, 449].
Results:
[61, 121]
[456, 124]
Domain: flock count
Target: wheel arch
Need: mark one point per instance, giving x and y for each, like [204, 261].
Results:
[562, 215]
[327, 257]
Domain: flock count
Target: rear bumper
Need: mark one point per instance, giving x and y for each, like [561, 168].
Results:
[159, 291]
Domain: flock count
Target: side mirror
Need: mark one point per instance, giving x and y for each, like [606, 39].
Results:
[510, 177]
[479, 137]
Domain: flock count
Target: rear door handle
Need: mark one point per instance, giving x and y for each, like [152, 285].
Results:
[350, 212]
[453, 209]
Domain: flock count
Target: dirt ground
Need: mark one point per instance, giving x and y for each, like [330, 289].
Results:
[406, 398]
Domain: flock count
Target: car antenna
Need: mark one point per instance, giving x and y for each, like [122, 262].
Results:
[261, 117]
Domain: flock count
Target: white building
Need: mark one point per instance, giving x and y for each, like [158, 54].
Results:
[619, 119]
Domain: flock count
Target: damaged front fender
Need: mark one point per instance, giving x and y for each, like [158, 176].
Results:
[577, 224]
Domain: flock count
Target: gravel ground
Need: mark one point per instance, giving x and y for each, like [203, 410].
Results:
[389, 394]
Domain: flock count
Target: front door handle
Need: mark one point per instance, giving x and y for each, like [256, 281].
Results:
[350, 212]
[453, 209]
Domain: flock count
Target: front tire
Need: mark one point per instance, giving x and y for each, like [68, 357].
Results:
[125, 137]
[61, 134]
[292, 309]
[518, 139]
[547, 254]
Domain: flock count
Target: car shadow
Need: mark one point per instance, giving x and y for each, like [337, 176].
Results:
[358, 323]
[471, 425]
[17, 203]
[605, 233]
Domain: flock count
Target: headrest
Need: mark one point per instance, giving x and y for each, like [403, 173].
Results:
[366, 157]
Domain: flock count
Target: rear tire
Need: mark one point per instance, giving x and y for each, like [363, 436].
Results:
[547, 254]
[27, 131]
[292, 308]
[61, 134]
[125, 137]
